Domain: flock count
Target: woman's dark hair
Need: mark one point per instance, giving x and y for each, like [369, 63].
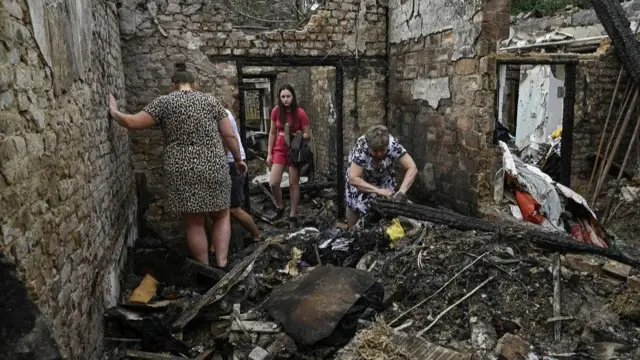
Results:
[293, 107]
[182, 75]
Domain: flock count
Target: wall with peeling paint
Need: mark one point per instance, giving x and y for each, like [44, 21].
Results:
[442, 93]
[539, 107]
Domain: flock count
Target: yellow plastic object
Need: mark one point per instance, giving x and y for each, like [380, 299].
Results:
[292, 265]
[395, 232]
[145, 291]
[556, 133]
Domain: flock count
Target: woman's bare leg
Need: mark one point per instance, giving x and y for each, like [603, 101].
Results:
[294, 189]
[221, 235]
[274, 181]
[246, 221]
[197, 237]
[352, 218]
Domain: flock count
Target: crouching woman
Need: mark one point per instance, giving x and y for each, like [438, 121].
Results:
[371, 173]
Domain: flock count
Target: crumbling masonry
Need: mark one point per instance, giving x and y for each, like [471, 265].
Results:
[69, 205]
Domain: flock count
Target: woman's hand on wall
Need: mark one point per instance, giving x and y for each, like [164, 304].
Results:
[113, 105]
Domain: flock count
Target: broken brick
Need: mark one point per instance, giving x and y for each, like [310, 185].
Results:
[634, 282]
[616, 268]
[512, 347]
[583, 263]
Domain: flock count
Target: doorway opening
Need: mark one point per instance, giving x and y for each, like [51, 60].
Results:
[535, 112]
[318, 83]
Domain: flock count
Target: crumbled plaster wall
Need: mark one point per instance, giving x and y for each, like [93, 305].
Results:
[66, 184]
[161, 32]
[442, 91]
[578, 23]
[414, 18]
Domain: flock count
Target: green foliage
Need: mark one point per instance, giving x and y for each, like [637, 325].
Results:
[546, 7]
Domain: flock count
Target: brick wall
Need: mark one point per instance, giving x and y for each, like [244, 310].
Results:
[442, 94]
[595, 84]
[66, 184]
[191, 32]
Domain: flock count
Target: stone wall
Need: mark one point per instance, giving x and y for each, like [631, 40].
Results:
[595, 84]
[66, 184]
[442, 94]
[163, 32]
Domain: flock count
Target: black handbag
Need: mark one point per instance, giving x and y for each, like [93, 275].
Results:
[299, 151]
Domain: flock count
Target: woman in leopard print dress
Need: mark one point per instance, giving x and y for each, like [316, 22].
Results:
[194, 163]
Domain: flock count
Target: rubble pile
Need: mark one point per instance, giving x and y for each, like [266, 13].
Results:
[433, 292]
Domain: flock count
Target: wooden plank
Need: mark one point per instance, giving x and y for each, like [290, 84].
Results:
[557, 297]
[255, 326]
[220, 289]
[250, 315]
[150, 356]
[205, 355]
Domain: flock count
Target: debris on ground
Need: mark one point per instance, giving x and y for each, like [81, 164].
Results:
[445, 287]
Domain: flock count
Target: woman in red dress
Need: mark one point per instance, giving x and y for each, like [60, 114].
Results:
[286, 116]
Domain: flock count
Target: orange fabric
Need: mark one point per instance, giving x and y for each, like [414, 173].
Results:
[529, 208]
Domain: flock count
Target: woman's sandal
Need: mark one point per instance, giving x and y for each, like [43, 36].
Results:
[278, 214]
[293, 222]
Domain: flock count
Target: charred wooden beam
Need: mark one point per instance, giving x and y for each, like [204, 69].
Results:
[304, 188]
[615, 22]
[285, 60]
[510, 231]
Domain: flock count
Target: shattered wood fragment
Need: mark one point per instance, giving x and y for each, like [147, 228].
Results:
[557, 294]
[255, 326]
[269, 195]
[249, 315]
[134, 354]
[239, 272]
[407, 324]
[559, 318]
